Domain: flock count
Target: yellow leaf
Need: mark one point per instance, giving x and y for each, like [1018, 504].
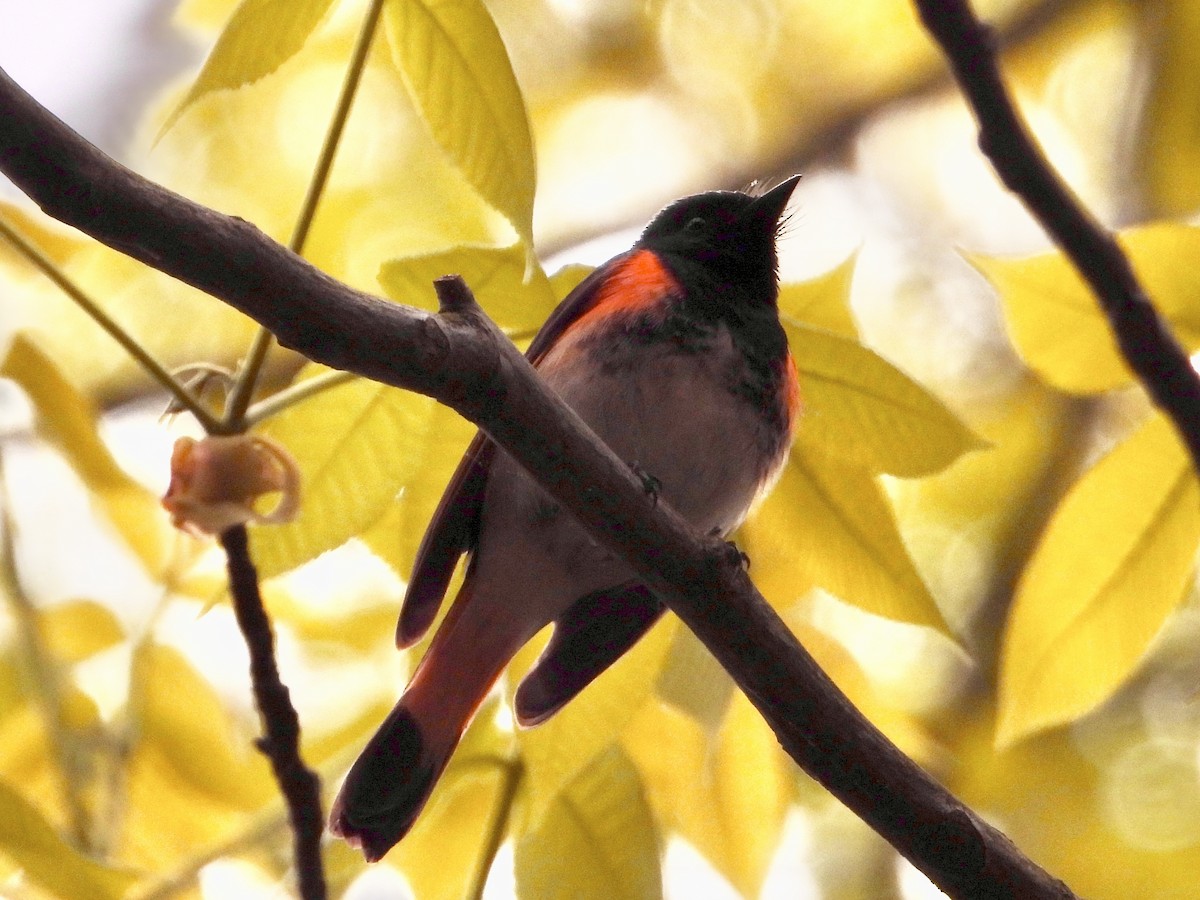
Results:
[958, 523]
[79, 628]
[179, 713]
[458, 74]
[1055, 795]
[50, 236]
[726, 794]
[67, 420]
[159, 312]
[261, 36]
[444, 850]
[568, 278]
[556, 751]
[861, 409]
[1110, 568]
[1170, 145]
[203, 15]
[752, 788]
[435, 451]
[360, 628]
[901, 727]
[496, 276]
[49, 861]
[831, 524]
[353, 444]
[822, 302]
[169, 816]
[598, 839]
[1056, 323]
[693, 681]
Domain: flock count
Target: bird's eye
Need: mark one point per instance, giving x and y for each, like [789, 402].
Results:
[695, 224]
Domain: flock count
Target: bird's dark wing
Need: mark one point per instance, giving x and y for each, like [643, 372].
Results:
[588, 638]
[450, 534]
[455, 524]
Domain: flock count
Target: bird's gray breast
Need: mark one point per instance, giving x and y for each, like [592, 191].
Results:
[679, 411]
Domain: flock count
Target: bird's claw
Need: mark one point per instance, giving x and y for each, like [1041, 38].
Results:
[735, 554]
[651, 485]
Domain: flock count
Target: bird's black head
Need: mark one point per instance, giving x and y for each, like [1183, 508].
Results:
[723, 241]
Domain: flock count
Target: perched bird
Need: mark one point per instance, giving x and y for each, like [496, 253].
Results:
[674, 355]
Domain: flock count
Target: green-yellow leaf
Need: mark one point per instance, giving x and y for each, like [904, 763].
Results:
[457, 72]
[557, 750]
[67, 420]
[862, 410]
[50, 862]
[831, 524]
[822, 302]
[260, 37]
[1057, 325]
[353, 444]
[598, 839]
[1111, 566]
[496, 276]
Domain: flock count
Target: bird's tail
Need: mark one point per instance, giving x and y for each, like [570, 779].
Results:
[392, 778]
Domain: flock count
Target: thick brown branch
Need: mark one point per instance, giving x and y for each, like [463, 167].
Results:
[281, 742]
[1151, 351]
[461, 359]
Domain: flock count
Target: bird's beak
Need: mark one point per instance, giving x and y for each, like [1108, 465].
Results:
[770, 206]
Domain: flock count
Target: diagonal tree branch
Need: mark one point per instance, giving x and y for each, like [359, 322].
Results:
[1151, 351]
[461, 359]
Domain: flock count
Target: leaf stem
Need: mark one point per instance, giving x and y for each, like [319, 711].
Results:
[512, 770]
[295, 393]
[152, 366]
[46, 682]
[243, 388]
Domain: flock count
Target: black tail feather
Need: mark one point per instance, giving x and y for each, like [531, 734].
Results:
[387, 787]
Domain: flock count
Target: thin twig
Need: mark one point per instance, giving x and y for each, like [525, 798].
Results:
[281, 742]
[81, 299]
[243, 388]
[513, 771]
[1151, 351]
[295, 393]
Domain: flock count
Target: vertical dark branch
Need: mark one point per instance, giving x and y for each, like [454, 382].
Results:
[300, 786]
[1152, 353]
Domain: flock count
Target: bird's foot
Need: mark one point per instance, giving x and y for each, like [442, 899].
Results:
[651, 485]
[733, 553]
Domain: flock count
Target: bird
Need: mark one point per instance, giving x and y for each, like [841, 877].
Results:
[673, 353]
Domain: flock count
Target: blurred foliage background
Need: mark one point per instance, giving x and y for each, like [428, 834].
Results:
[985, 534]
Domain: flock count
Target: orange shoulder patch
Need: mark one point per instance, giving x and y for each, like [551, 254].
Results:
[791, 391]
[638, 283]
